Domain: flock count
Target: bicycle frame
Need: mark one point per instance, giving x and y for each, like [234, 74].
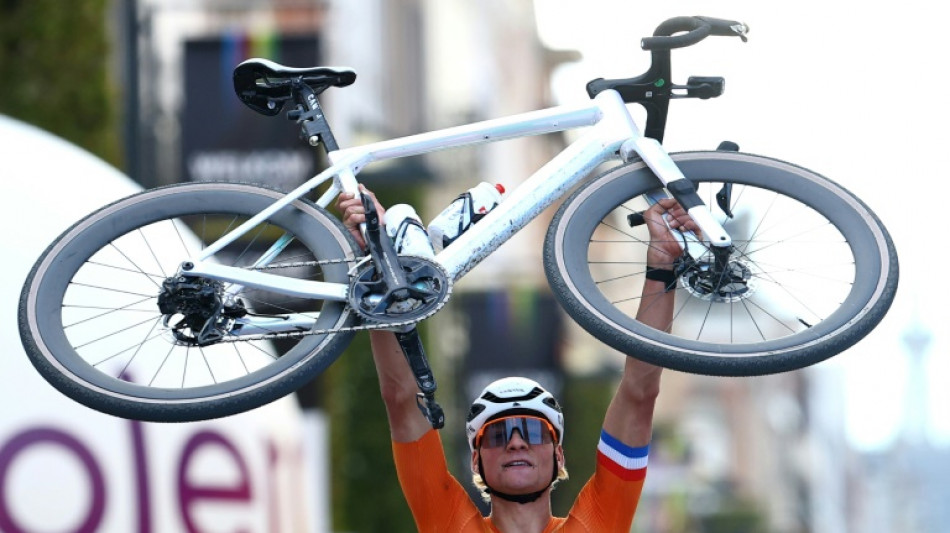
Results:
[613, 134]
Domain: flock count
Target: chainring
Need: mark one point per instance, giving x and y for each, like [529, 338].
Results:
[429, 290]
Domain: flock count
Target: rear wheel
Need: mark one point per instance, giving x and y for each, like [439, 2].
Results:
[813, 270]
[91, 322]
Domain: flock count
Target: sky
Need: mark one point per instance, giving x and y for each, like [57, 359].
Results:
[850, 91]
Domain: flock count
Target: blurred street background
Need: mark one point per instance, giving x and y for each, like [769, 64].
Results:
[859, 443]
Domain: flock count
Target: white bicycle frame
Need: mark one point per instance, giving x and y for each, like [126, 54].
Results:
[612, 134]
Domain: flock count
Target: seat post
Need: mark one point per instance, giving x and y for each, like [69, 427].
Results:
[314, 127]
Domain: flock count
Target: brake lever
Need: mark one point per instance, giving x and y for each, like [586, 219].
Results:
[704, 88]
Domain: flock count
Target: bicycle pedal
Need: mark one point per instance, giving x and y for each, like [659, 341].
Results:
[431, 410]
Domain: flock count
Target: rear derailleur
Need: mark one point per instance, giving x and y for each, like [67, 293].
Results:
[195, 310]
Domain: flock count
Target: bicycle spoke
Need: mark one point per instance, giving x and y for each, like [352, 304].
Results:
[257, 347]
[257, 234]
[204, 358]
[240, 357]
[705, 320]
[633, 238]
[112, 309]
[124, 269]
[768, 313]
[678, 312]
[148, 245]
[167, 356]
[181, 238]
[136, 346]
[114, 333]
[617, 278]
[111, 289]
[776, 298]
[133, 263]
[129, 362]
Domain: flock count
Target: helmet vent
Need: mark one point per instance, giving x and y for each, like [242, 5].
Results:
[534, 393]
[474, 411]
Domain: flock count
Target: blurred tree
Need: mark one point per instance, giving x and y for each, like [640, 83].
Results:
[54, 59]
[735, 516]
[585, 400]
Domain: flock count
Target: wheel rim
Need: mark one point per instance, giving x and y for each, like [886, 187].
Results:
[709, 326]
[777, 299]
[109, 334]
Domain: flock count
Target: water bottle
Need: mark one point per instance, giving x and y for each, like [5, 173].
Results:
[407, 232]
[470, 207]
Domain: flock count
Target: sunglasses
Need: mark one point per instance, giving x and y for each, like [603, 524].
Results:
[531, 429]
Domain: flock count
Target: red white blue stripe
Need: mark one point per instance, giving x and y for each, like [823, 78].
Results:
[627, 462]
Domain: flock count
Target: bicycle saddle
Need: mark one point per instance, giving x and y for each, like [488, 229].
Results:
[264, 85]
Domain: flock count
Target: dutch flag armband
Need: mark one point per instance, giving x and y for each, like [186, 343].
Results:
[628, 463]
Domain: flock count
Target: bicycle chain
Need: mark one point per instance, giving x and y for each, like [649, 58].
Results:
[361, 327]
[298, 264]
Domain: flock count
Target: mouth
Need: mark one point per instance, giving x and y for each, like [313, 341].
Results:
[518, 464]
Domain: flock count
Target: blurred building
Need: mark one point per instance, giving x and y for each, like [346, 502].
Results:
[759, 454]
[424, 65]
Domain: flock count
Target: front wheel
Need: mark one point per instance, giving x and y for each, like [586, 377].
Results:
[105, 319]
[812, 273]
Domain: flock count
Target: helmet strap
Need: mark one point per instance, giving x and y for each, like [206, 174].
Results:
[516, 498]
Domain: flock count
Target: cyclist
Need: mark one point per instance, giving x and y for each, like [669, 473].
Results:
[515, 428]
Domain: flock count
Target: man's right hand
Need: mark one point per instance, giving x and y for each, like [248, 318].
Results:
[664, 246]
[353, 213]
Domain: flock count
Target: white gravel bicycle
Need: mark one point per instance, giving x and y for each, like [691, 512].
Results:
[202, 300]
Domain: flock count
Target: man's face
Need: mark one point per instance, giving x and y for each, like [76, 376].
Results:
[518, 467]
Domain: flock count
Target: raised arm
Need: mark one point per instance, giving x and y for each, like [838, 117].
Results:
[397, 385]
[629, 417]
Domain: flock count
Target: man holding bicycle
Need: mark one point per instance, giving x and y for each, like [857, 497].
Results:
[515, 428]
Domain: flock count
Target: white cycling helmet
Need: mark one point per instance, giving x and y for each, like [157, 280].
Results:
[513, 396]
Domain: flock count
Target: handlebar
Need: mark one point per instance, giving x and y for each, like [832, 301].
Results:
[654, 88]
[696, 28]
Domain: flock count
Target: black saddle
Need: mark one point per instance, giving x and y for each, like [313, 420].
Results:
[264, 85]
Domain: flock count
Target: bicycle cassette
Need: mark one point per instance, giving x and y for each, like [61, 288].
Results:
[428, 289]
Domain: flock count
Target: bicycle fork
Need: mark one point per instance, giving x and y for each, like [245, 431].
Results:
[683, 190]
[719, 277]
[620, 125]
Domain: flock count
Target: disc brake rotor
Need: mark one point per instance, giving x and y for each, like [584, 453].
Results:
[704, 281]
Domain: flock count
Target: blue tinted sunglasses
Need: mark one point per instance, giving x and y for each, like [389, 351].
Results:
[533, 430]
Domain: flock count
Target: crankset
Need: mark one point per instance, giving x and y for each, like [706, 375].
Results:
[427, 289]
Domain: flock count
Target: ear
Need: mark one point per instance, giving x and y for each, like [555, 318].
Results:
[559, 455]
[475, 462]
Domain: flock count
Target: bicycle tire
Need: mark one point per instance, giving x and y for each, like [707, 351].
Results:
[713, 334]
[77, 312]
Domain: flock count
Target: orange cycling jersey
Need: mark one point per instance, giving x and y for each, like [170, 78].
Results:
[440, 504]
